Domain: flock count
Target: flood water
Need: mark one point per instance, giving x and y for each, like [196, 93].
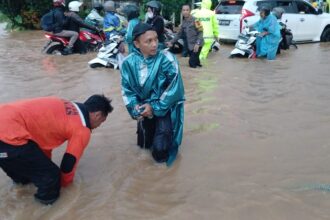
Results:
[256, 139]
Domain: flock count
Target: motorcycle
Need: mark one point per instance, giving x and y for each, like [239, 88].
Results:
[287, 37]
[111, 54]
[177, 47]
[246, 43]
[56, 44]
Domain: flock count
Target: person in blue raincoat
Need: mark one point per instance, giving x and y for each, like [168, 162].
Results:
[153, 92]
[111, 23]
[269, 39]
[132, 13]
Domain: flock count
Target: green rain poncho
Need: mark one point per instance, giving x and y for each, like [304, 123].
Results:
[155, 80]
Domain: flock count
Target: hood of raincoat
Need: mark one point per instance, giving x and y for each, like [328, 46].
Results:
[206, 4]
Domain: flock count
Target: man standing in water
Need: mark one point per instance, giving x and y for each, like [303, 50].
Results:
[193, 31]
[153, 93]
[31, 129]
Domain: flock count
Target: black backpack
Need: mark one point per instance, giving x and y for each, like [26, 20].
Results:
[48, 21]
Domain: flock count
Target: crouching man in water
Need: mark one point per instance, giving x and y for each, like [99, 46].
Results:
[31, 129]
[153, 93]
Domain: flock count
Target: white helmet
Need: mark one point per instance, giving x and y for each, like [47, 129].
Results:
[74, 6]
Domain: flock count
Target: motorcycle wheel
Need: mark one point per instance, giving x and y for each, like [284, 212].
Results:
[95, 65]
[55, 49]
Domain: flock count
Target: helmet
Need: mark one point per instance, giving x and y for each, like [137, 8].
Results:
[74, 6]
[156, 5]
[98, 6]
[109, 6]
[278, 12]
[58, 3]
[131, 12]
[266, 10]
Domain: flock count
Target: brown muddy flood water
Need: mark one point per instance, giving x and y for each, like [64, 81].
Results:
[256, 142]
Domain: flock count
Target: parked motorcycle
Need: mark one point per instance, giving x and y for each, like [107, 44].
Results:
[287, 37]
[56, 44]
[111, 54]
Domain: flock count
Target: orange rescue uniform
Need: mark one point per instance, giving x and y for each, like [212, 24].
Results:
[48, 121]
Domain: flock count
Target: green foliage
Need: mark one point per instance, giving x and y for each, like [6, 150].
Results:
[24, 14]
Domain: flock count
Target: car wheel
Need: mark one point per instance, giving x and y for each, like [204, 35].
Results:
[325, 37]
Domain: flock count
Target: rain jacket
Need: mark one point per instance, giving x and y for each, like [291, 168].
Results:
[129, 34]
[208, 20]
[75, 22]
[49, 122]
[267, 45]
[94, 18]
[155, 80]
[111, 25]
[59, 20]
[158, 25]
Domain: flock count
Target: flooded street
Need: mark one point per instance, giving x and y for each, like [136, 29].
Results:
[256, 140]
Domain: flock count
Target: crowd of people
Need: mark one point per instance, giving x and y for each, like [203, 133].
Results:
[152, 90]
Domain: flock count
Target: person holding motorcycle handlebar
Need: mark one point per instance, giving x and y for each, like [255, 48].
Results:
[75, 22]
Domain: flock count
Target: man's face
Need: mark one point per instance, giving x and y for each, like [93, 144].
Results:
[185, 11]
[96, 119]
[147, 43]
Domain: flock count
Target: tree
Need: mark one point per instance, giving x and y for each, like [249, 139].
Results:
[24, 13]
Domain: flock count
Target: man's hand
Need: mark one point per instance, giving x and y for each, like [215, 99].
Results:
[137, 109]
[262, 34]
[147, 112]
[196, 48]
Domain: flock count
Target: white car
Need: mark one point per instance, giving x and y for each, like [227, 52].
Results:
[306, 23]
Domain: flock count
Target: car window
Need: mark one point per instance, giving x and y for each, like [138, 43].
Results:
[229, 7]
[268, 4]
[304, 8]
[288, 6]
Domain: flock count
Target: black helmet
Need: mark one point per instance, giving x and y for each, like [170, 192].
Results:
[266, 10]
[98, 6]
[131, 12]
[156, 5]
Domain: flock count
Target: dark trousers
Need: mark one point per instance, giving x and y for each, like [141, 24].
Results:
[156, 134]
[194, 58]
[185, 50]
[27, 163]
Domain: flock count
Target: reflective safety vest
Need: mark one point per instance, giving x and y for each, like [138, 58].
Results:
[207, 19]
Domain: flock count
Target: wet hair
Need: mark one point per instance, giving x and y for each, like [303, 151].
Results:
[186, 5]
[97, 103]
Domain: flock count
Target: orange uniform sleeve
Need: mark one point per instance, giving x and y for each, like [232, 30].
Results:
[76, 146]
